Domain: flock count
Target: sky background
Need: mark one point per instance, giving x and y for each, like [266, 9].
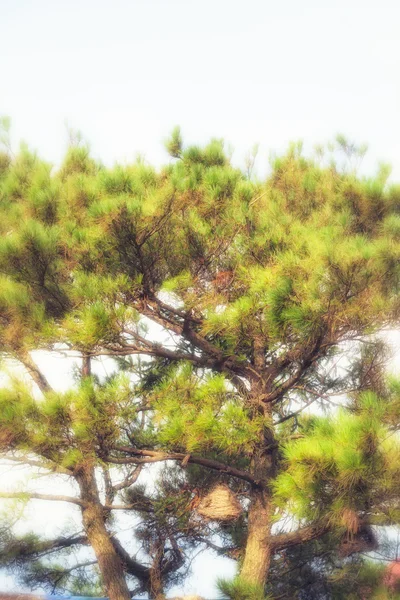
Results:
[124, 72]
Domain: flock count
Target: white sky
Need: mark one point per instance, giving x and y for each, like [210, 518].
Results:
[125, 72]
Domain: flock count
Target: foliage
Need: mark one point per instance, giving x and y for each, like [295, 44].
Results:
[241, 590]
[229, 306]
[339, 463]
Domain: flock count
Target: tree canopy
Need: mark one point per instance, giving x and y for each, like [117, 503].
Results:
[239, 313]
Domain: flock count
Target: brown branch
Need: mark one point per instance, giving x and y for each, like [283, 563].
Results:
[108, 486]
[239, 384]
[296, 412]
[259, 353]
[132, 566]
[150, 456]
[34, 371]
[308, 533]
[150, 311]
[134, 506]
[318, 350]
[182, 314]
[224, 362]
[129, 480]
[300, 536]
[48, 546]
[152, 307]
[50, 466]
[231, 551]
[67, 571]
[152, 349]
[86, 365]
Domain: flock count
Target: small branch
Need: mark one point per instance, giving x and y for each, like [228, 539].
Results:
[296, 412]
[230, 551]
[36, 496]
[151, 349]
[318, 350]
[67, 571]
[86, 365]
[135, 506]
[47, 547]
[129, 479]
[184, 315]
[108, 486]
[50, 466]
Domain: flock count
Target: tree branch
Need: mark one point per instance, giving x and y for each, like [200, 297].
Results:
[213, 357]
[149, 456]
[41, 548]
[34, 371]
[318, 349]
[132, 566]
[36, 496]
[300, 536]
[50, 466]
[129, 480]
[296, 412]
[151, 349]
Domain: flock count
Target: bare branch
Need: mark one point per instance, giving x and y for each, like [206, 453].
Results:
[86, 365]
[34, 371]
[109, 489]
[300, 536]
[149, 456]
[129, 480]
[317, 350]
[296, 412]
[48, 465]
[133, 567]
[36, 496]
[151, 349]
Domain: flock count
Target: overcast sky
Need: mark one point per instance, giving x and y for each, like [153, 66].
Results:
[124, 72]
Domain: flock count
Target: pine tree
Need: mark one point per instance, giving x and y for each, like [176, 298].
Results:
[243, 296]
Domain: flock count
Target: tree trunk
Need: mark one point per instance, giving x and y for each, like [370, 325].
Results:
[156, 591]
[110, 565]
[257, 555]
[258, 548]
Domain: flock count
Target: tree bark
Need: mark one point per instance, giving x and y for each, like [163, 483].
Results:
[93, 517]
[156, 591]
[258, 548]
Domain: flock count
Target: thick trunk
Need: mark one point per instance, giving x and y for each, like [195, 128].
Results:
[111, 568]
[257, 555]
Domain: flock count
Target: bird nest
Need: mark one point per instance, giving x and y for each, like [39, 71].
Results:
[220, 504]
